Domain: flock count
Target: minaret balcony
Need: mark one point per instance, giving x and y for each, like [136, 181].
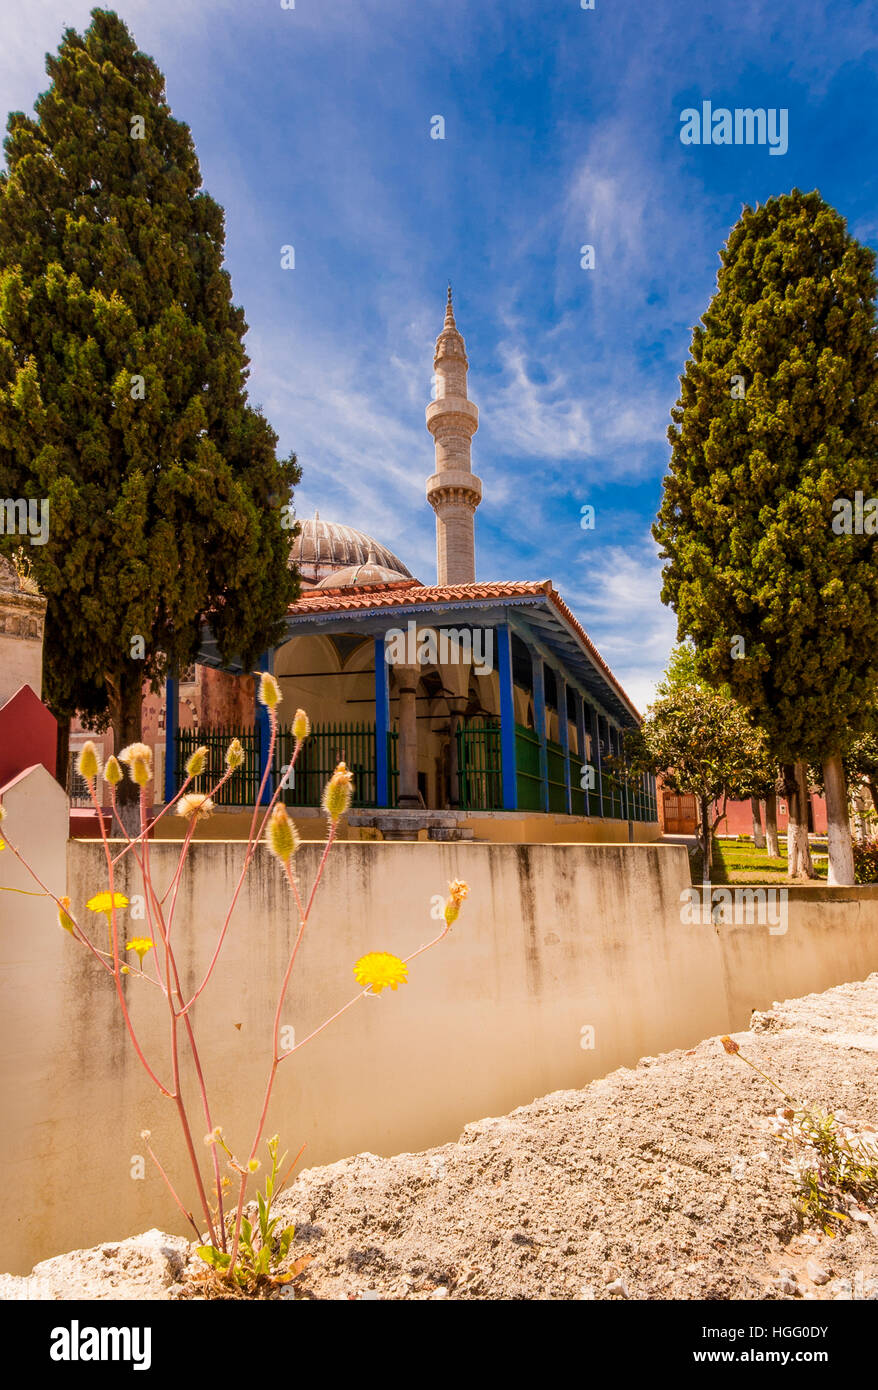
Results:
[455, 411]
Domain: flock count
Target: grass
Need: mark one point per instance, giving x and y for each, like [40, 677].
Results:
[739, 861]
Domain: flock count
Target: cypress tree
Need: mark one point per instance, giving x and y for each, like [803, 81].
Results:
[775, 430]
[122, 389]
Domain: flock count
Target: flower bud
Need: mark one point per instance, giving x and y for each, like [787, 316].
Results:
[337, 793]
[138, 757]
[281, 835]
[730, 1046]
[269, 690]
[64, 919]
[113, 772]
[235, 754]
[196, 762]
[88, 764]
[301, 726]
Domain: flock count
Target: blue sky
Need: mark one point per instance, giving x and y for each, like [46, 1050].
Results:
[562, 128]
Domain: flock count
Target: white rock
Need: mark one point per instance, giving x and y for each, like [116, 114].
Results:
[816, 1273]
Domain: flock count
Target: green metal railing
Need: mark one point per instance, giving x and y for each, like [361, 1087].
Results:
[242, 786]
[479, 767]
[326, 746]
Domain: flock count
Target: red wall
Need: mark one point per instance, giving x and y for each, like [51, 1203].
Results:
[28, 735]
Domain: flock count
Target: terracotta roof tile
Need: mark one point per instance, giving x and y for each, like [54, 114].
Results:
[408, 593]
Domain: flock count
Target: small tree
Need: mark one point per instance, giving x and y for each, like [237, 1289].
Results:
[775, 432]
[701, 743]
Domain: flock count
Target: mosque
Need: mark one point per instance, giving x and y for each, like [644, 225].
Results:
[464, 708]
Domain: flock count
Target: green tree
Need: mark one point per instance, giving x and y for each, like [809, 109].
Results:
[122, 389]
[777, 424]
[701, 744]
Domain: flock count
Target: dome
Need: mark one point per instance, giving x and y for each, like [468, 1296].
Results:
[323, 548]
[369, 573]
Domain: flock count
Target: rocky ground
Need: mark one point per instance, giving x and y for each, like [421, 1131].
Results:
[666, 1180]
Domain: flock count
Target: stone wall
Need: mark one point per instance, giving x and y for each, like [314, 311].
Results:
[567, 961]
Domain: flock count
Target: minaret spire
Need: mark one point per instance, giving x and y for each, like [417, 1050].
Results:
[453, 491]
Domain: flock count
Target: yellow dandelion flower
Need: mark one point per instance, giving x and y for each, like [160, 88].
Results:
[380, 969]
[338, 792]
[269, 690]
[64, 920]
[105, 902]
[113, 772]
[301, 726]
[140, 944]
[195, 804]
[281, 835]
[88, 764]
[196, 762]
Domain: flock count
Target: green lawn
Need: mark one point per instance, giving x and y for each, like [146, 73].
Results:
[738, 861]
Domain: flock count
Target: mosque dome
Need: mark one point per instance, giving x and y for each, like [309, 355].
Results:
[323, 549]
[368, 573]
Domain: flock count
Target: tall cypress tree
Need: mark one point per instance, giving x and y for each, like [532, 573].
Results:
[776, 423]
[122, 389]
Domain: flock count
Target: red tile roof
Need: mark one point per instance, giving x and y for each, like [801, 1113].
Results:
[408, 593]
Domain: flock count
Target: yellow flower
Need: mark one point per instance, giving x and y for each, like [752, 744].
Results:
[88, 764]
[253, 1164]
[64, 919]
[113, 772]
[301, 726]
[235, 754]
[380, 969]
[140, 944]
[105, 902]
[138, 757]
[195, 804]
[281, 835]
[196, 762]
[269, 690]
[337, 793]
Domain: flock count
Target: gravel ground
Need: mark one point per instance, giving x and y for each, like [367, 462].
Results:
[666, 1180]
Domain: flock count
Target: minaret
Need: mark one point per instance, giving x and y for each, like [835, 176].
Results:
[453, 491]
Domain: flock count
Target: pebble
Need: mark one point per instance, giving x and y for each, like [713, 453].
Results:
[618, 1286]
[816, 1273]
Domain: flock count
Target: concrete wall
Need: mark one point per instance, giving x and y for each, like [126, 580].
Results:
[553, 940]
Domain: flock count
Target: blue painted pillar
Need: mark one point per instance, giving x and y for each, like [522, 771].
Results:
[503, 639]
[596, 739]
[539, 684]
[382, 725]
[263, 728]
[564, 734]
[579, 708]
[172, 723]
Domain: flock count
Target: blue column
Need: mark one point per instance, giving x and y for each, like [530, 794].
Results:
[503, 639]
[382, 725]
[564, 733]
[263, 729]
[596, 739]
[172, 722]
[579, 708]
[539, 684]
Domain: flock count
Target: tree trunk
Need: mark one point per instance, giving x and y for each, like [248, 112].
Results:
[841, 853]
[799, 863]
[126, 701]
[706, 845]
[756, 811]
[62, 748]
[772, 847]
